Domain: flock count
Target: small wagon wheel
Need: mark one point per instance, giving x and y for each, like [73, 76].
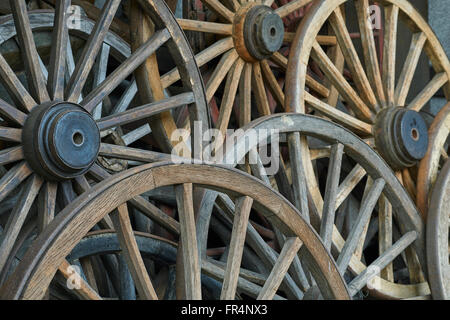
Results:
[40, 263]
[437, 154]
[437, 236]
[376, 100]
[72, 112]
[386, 208]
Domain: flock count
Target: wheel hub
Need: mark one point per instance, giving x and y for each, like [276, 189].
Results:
[260, 32]
[401, 137]
[61, 141]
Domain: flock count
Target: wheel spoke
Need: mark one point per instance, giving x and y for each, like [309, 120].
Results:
[145, 111]
[125, 69]
[126, 98]
[55, 83]
[245, 96]
[17, 218]
[191, 261]
[90, 51]
[133, 154]
[279, 270]
[329, 202]
[242, 213]
[204, 26]
[390, 52]
[291, 6]
[271, 80]
[438, 81]
[10, 134]
[260, 91]
[35, 78]
[131, 253]
[220, 9]
[349, 183]
[100, 70]
[11, 155]
[46, 204]
[223, 67]
[85, 291]
[409, 68]
[385, 234]
[13, 178]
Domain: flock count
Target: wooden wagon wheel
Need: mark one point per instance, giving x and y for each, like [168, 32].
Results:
[376, 100]
[53, 132]
[369, 179]
[437, 236]
[437, 154]
[39, 265]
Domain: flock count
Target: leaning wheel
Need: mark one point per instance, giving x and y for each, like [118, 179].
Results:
[78, 107]
[376, 100]
[39, 265]
[437, 236]
[365, 217]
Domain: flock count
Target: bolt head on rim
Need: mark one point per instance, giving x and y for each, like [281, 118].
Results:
[401, 137]
[61, 141]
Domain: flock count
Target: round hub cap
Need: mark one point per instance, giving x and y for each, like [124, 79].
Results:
[263, 32]
[61, 141]
[401, 137]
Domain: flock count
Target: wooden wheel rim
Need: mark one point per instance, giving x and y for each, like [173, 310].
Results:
[56, 242]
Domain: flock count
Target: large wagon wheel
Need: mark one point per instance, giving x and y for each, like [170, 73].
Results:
[39, 265]
[437, 236]
[437, 154]
[53, 131]
[376, 100]
[385, 207]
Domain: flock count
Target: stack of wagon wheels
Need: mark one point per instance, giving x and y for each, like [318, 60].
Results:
[253, 149]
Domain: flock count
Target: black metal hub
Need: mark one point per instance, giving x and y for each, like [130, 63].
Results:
[401, 137]
[60, 140]
[263, 32]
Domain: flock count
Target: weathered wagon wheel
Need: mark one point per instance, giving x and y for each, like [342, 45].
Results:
[385, 207]
[437, 154]
[437, 236]
[377, 100]
[248, 58]
[39, 265]
[53, 131]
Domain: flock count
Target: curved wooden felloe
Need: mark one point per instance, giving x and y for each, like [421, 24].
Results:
[366, 162]
[437, 236]
[368, 87]
[34, 274]
[85, 66]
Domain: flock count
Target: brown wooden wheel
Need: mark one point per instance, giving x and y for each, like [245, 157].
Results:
[363, 214]
[378, 101]
[50, 250]
[438, 236]
[77, 106]
[437, 154]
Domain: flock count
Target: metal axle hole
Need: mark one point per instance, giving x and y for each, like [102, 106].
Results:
[415, 134]
[78, 139]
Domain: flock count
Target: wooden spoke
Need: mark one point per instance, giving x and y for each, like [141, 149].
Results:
[291, 6]
[191, 260]
[35, 78]
[438, 81]
[17, 217]
[10, 134]
[224, 65]
[352, 59]
[12, 154]
[382, 261]
[229, 96]
[240, 222]
[90, 51]
[126, 98]
[370, 50]
[220, 9]
[125, 69]
[145, 111]
[337, 79]
[100, 70]
[201, 58]
[390, 52]
[409, 68]
[85, 291]
[67, 192]
[362, 220]
[136, 134]
[329, 202]
[349, 183]
[57, 67]
[130, 250]
[245, 95]
[46, 204]
[13, 178]
[260, 91]
[385, 234]
[279, 270]
[127, 153]
[204, 26]
[271, 80]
